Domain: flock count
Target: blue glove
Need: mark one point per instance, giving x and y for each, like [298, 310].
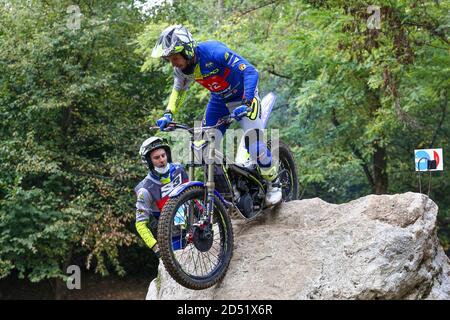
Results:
[239, 112]
[164, 120]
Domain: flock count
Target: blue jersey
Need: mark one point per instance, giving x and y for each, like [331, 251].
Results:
[227, 75]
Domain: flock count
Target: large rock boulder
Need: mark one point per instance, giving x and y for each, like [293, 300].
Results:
[375, 247]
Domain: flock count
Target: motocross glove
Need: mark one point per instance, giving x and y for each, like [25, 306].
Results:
[239, 112]
[164, 121]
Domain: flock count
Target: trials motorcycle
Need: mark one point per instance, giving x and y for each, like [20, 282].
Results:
[194, 231]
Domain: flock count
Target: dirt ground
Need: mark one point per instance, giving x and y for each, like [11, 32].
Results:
[93, 287]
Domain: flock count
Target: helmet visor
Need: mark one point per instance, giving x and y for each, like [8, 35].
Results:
[172, 40]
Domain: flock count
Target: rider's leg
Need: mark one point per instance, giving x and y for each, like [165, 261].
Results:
[260, 154]
[215, 110]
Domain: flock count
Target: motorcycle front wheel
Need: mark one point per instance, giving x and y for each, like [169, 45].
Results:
[196, 255]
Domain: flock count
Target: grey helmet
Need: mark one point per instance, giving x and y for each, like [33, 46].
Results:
[175, 39]
[151, 144]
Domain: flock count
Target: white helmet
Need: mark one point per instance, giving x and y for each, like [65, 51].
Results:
[151, 144]
[175, 39]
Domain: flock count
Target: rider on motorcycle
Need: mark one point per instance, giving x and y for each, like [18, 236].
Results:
[232, 81]
[152, 192]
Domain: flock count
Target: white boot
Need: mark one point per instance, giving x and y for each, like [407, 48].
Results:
[273, 195]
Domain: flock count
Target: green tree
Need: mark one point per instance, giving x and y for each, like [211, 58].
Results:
[74, 107]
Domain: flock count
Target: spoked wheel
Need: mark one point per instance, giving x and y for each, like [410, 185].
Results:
[196, 253]
[287, 172]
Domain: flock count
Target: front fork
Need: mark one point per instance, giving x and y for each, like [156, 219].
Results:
[210, 185]
[205, 220]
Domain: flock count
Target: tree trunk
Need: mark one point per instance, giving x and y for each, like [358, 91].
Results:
[380, 176]
[379, 182]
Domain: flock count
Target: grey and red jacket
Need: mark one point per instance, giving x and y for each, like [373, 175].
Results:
[153, 191]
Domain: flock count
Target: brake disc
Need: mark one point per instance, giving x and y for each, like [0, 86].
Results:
[203, 239]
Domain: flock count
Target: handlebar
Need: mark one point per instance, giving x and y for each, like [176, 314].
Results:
[171, 126]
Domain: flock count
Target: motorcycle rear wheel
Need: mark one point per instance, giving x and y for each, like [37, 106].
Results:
[287, 172]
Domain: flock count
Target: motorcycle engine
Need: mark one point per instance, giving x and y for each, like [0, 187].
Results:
[245, 204]
[245, 200]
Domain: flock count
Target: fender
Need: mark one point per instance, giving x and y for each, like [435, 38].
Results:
[175, 192]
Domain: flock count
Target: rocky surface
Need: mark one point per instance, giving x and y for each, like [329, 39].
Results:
[375, 247]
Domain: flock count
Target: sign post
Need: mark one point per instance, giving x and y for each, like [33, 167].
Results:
[428, 160]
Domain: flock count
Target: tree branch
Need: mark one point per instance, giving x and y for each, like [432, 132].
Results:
[257, 7]
[391, 84]
[269, 23]
[273, 72]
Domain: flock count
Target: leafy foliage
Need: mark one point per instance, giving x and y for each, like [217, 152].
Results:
[354, 101]
[74, 106]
